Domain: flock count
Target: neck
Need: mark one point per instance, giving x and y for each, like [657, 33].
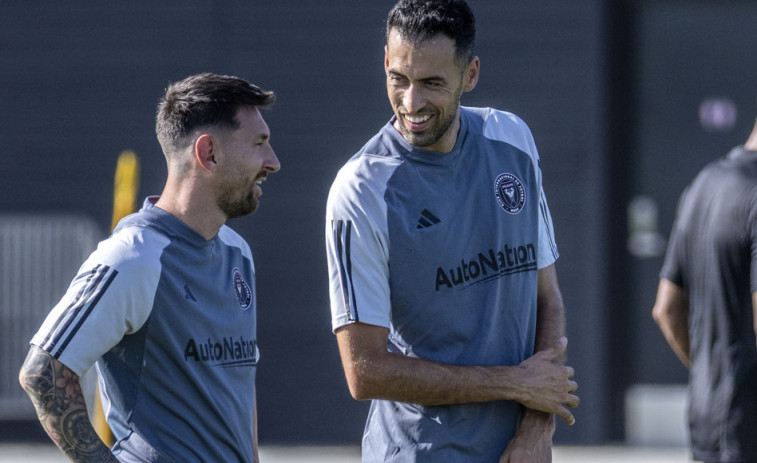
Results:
[193, 207]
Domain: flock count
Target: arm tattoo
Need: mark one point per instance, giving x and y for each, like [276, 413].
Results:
[56, 394]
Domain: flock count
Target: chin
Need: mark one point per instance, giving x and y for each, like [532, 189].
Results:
[242, 209]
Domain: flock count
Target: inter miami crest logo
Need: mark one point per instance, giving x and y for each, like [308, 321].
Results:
[510, 193]
[244, 294]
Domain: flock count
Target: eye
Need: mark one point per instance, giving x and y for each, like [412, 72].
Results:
[396, 79]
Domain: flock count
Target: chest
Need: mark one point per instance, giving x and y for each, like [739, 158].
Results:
[479, 214]
[206, 297]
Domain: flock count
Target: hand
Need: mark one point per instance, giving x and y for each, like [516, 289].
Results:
[546, 385]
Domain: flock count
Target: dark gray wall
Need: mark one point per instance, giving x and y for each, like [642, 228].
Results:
[79, 83]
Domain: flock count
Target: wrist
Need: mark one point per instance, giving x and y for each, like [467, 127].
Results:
[537, 422]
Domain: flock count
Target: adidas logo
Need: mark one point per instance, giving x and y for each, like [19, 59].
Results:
[188, 293]
[427, 219]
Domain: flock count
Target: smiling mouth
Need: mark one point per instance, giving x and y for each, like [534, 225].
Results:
[260, 179]
[420, 119]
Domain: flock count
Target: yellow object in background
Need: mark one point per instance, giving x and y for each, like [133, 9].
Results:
[126, 186]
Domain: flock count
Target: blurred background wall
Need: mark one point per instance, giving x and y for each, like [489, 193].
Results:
[626, 100]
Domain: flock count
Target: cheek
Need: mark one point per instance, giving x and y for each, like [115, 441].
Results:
[395, 97]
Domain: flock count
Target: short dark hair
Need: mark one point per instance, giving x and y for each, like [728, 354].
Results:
[419, 20]
[204, 100]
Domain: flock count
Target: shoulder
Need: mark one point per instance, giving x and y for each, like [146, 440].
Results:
[502, 126]
[231, 238]
[366, 169]
[366, 173]
[131, 246]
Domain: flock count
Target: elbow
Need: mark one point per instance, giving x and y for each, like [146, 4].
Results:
[660, 312]
[660, 315]
[358, 391]
[36, 372]
[656, 315]
[22, 377]
[360, 382]
[29, 378]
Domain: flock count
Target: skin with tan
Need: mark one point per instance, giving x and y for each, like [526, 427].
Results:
[424, 85]
[224, 181]
[217, 177]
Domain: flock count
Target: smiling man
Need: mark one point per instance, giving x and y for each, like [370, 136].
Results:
[165, 307]
[441, 252]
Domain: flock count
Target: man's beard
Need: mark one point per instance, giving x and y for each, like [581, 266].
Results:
[233, 205]
[427, 138]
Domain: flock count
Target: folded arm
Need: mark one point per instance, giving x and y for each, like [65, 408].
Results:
[372, 372]
[56, 394]
[533, 440]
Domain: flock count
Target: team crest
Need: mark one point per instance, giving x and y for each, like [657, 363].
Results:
[242, 289]
[510, 193]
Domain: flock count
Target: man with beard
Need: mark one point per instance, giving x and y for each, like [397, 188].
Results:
[165, 307]
[444, 295]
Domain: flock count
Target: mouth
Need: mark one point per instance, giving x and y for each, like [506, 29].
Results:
[258, 182]
[416, 122]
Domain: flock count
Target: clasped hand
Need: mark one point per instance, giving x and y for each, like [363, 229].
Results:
[546, 383]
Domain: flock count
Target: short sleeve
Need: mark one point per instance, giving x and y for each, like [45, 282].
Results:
[357, 244]
[507, 127]
[672, 268]
[548, 253]
[110, 297]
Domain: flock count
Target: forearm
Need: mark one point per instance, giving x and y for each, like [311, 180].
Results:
[677, 335]
[56, 394]
[373, 373]
[671, 313]
[550, 326]
[405, 379]
[550, 316]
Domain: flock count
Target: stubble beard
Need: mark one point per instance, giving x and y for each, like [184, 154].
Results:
[234, 205]
[429, 137]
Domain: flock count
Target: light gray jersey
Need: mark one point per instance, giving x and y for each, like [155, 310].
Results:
[442, 249]
[170, 319]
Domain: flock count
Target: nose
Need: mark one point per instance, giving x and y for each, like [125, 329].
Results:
[413, 99]
[272, 162]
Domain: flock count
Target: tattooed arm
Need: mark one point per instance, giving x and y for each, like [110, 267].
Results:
[57, 396]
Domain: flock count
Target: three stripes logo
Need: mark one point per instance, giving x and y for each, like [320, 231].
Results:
[427, 219]
[92, 286]
[342, 234]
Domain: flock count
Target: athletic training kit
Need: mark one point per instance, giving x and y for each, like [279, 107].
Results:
[169, 317]
[712, 254]
[442, 249]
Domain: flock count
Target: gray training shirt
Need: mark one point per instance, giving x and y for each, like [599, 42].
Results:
[443, 250]
[170, 319]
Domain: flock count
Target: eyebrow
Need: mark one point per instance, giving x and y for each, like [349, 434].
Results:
[425, 79]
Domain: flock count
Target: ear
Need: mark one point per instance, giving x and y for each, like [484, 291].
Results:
[470, 77]
[386, 57]
[206, 148]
